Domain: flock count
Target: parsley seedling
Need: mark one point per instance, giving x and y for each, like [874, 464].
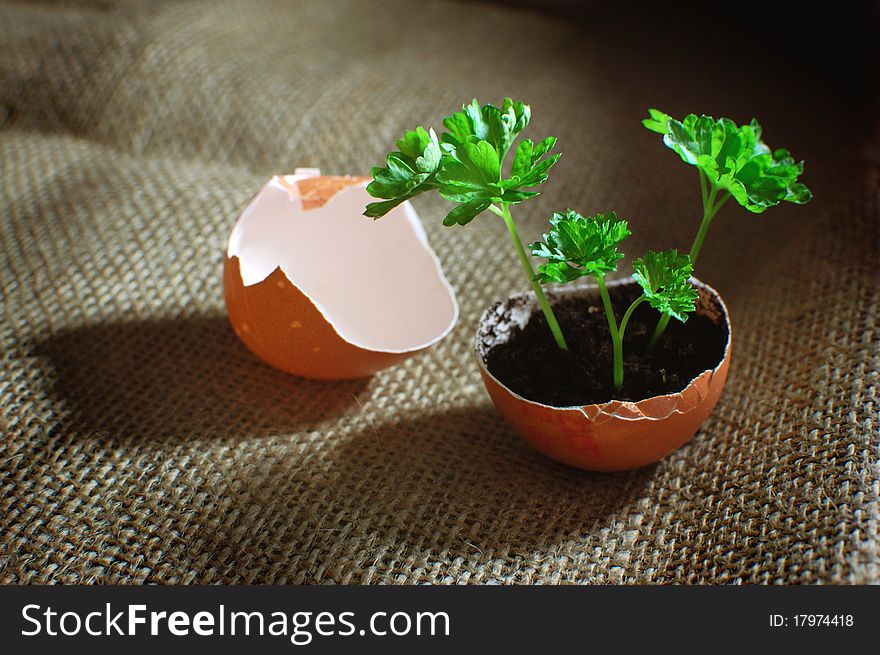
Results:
[575, 247]
[732, 160]
[466, 165]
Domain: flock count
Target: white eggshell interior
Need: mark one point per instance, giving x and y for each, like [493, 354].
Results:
[377, 282]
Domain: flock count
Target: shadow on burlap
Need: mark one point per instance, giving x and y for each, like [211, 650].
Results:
[143, 443]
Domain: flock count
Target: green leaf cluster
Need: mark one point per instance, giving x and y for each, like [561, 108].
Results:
[497, 126]
[409, 171]
[734, 158]
[664, 277]
[576, 246]
[466, 163]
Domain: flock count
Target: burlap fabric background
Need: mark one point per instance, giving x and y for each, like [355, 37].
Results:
[141, 441]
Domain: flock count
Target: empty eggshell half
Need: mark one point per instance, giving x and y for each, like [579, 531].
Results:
[315, 288]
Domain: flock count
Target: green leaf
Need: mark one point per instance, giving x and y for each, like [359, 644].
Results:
[379, 209]
[538, 173]
[522, 160]
[498, 126]
[734, 158]
[465, 213]
[422, 148]
[544, 147]
[514, 196]
[530, 168]
[459, 126]
[472, 171]
[576, 246]
[470, 174]
[558, 271]
[664, 278]
[657, 121]
[519, 112]
[408, 172]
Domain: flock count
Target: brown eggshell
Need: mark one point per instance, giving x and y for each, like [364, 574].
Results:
[281, 326]
[614, 436]
[331, 295]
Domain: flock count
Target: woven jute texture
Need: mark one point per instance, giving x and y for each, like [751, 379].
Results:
[142, 443]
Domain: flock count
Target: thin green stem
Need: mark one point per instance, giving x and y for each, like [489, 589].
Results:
[616, 340]
[703, 186]
[658, 331]
[709, 212]
[606, 300]
[712, 202]
[638, 301]
[504, 212]
[720, 203]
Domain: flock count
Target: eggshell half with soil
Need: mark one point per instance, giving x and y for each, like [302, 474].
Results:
[315, 288]
[613, 436]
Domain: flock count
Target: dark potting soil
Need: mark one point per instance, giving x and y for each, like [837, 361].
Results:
[531, 364]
